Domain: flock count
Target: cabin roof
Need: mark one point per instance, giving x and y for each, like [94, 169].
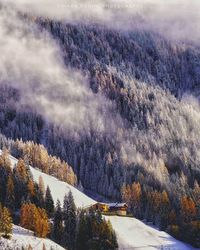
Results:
[116, 204]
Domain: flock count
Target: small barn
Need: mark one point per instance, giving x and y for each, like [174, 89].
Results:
[112, 208]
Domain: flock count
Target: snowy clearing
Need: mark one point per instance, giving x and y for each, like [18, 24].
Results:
[134, 234]
[23, 238]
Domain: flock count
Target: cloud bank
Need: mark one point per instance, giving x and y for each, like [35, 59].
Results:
[31, 62]
[179, 19]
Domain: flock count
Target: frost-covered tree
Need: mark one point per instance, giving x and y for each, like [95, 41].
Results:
[70, 221]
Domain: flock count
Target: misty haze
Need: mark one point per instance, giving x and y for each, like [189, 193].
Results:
[99, 124]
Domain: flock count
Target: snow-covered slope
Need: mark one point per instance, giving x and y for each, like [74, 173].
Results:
[131, 233]
[59, 188]
[23, 238]
[134, 234]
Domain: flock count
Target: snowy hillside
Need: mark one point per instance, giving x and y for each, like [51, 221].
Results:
[134, 234]
[131, 232]
[23, 238]
[59, 188]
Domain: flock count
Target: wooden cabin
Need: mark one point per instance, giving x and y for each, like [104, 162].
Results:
[112, 208]
[101, 207]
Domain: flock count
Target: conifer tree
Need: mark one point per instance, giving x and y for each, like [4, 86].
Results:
[82, 233]
[57, 232]
[20, 182]
[6, 159]
[42, 227]
[31, 188]
[28, 216]
[21, 171]
[35, 219]
[5, 222]
[41, 185]
[38, 199]
[49, 203]
[188, 209]
[108, 239]
[69, 217]
[10, 194]
[94, 232]
[5, 171]
[136, 194]
[164, 210]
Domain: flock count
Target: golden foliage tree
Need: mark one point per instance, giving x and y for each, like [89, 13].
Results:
[136, 194]
[188, 209]
[41, 185]
[10, 193]
[31, 188]
[42, 228]
[5, 222]
[21, 170]
[35, 219]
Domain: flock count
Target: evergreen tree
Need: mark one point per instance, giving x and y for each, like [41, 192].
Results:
[49, 203]
[69, 217]
[188, 209]
[6, 159]
[10, 194]
[94, 232]
[38, 199]
[31, 188]
[164, 211]
[21, 171]
[5, 171]
[20, 178]
[82, 233]
[57, 233]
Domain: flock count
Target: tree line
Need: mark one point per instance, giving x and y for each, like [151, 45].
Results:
[180, 217]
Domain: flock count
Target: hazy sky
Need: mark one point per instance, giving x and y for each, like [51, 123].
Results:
[179, 19]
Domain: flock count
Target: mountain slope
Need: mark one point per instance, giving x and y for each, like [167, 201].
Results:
[24, 238]
[129, 118]
[131, 232]
[58, 188]
[134, 234]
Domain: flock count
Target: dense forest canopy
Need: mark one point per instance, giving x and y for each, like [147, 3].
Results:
[119, 106]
